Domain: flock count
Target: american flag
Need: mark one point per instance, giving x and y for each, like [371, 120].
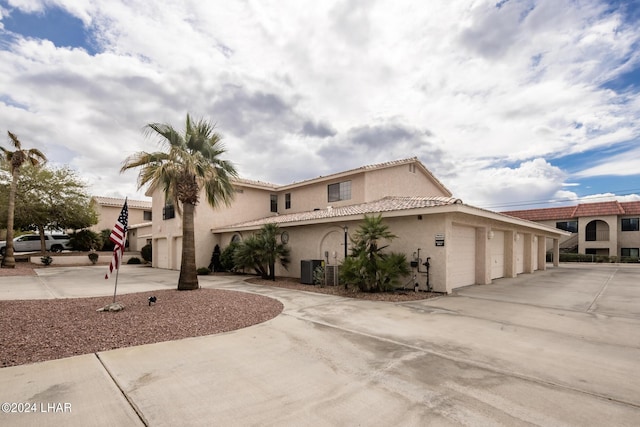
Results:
[118, 236]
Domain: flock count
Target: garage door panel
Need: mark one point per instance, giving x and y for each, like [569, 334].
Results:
[463, 271]
[519, 254]
[497, 255]
[163, 253]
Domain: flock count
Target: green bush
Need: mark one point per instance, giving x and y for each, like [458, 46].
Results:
[93, 257]
[46, 260]
[147, 252]
[203, 271]
[134, 260]
[85, 240]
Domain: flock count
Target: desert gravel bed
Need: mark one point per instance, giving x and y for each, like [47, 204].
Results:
[39, 330]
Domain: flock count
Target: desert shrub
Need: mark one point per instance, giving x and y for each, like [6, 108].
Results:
[93, 257]
[147, 252]
[318, 276]
[46, 260]
[203, 271]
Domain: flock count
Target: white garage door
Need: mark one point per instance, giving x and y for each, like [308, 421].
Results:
[519, 254]
[463, 263]
[497, 255]
[162, 257]
[177, 253]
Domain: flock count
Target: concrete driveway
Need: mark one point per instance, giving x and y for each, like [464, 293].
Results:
[560, 347]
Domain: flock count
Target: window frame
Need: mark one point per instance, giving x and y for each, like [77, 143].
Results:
[168, 212]
[568, 228]
[274, 203]
[339, 191]
[633, 224]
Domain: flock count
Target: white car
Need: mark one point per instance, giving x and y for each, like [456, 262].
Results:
[31, 243]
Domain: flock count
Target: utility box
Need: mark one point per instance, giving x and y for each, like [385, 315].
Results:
[307, 267]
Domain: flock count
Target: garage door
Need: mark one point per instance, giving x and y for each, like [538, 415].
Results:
[463, 262]
[519, 253]
[177, 253]
[162, 250]
[536, 244]
[497, 255]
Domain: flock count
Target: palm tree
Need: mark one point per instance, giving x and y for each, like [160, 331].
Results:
[16, 159]
[368, 267]
[190, 162]
[261, 252]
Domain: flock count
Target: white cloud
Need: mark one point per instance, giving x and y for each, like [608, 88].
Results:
[301, 89]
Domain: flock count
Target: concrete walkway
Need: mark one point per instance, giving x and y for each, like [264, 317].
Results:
[559, 347]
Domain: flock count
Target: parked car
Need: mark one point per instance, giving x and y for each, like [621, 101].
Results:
[31, 243]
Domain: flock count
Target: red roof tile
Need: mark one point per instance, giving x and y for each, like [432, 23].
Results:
[581, 210]
[599, 209]
[631, 208]
[543, 214]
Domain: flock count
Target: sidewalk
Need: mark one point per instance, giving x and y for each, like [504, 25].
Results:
[472, 358]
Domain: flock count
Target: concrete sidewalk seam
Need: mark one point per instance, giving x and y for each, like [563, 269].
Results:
[472, 363]
[604, 287]
[124, 394]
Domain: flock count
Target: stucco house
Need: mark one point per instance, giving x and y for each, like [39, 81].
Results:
[603, 228]
[140, 219]
[464, 244]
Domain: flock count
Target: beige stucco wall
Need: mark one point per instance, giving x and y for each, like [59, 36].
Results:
[108, 215]
[402, 180]
[315, 195]
[611, 245]
[524, 246]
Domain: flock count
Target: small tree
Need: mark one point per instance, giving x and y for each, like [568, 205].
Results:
[368, 267]
[227, 256]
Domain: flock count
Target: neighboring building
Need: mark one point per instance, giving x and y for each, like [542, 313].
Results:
[465, 245]
[140, 219]
[604, 228]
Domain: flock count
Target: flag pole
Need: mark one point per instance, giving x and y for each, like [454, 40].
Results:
[116, 286]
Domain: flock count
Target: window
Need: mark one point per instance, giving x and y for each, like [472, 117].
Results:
[147, 215]
[570, 226]
[630, 224]
[274, 203]
[339, 191]
[287, 201]
[630, 252]
[168, 212]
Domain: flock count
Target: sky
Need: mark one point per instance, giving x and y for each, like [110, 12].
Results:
[511, 104]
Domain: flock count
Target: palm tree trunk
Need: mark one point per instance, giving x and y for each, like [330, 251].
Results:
[188, 275]
[9, 261]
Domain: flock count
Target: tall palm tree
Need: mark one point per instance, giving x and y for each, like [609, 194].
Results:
[189, 163]
[16, 159]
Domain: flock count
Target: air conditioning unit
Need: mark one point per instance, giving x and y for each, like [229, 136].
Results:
[307, 266]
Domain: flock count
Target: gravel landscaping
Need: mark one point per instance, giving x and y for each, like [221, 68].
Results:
[39, 330]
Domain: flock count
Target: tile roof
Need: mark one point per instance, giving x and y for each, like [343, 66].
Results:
[114, 201]
[543, 214]
[581, 210]
[385, 204]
